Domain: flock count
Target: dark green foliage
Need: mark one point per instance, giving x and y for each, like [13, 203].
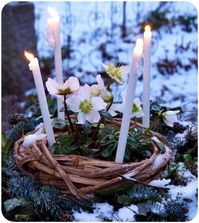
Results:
[33, 106]
[105, 114]
[9, 168]
[6, 145]
[108, 140]
[46, 199]
[176, 210]
[59, 123]
[137, 143]
[22, 186]
[139, 194]
[9, 138]
[65, 145]
[151, 207]
[22, 128]
[175, 173]
[154, 211]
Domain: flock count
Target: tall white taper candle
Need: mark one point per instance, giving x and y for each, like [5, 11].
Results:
[134, 67]
[34, 67]
[146, 76]
[54, 31]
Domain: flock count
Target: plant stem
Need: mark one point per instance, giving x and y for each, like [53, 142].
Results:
[109, 84]
[96, 131]
[67, 114]
[109, 105]
[77, 130]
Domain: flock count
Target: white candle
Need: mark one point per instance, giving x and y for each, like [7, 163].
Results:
[137, 53]
[34, 67]
[54, 32]
[146, 76]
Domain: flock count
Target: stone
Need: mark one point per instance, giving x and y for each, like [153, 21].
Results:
[13, 203]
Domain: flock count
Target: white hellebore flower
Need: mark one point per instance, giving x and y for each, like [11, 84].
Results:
[116, 73]
[86, 105]
[100, 90]
[68, 87]
[115, 107]
[169, 117]
[136, 109]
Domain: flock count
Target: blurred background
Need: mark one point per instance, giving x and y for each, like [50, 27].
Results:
[93, 33]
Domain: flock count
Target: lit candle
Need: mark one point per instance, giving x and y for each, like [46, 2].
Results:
[34, 67]
[146, 76]
[134, 67]
[54, 41]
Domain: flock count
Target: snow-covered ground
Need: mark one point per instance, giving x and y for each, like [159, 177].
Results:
[87, 33]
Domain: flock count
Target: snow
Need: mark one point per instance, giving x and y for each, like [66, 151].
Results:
[160, 183]
[105, 211]
[126, 213]
[32, 138]
[161, 157]
[100, 210]
[86, 217]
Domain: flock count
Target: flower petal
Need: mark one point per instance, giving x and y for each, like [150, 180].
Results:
[95, 91]
[73, 103]
[81, 117]
[98, 103]
[170, 117]
[52, 86]
[93, 116]
[84, 92]
[73, 83]
[137, 101]
[100, 81]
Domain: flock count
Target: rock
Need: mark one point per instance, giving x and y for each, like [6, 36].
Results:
[13, 203]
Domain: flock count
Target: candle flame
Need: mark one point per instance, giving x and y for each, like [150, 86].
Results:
[52, 12]
[28, 55]
[139, 43]
[147, 28]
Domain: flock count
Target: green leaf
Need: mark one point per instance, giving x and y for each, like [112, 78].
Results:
[59, 123]
[108, 150]
[127, 155]
[4, 139]
[87, 126]
[105, 114]
[187, 158]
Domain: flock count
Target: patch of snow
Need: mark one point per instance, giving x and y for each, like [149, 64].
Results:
[187, 192]
[86, 217]
[160, 158]
[32, 138]
[104, 209]
[100, 211]
[160, 183]
[126, 213]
